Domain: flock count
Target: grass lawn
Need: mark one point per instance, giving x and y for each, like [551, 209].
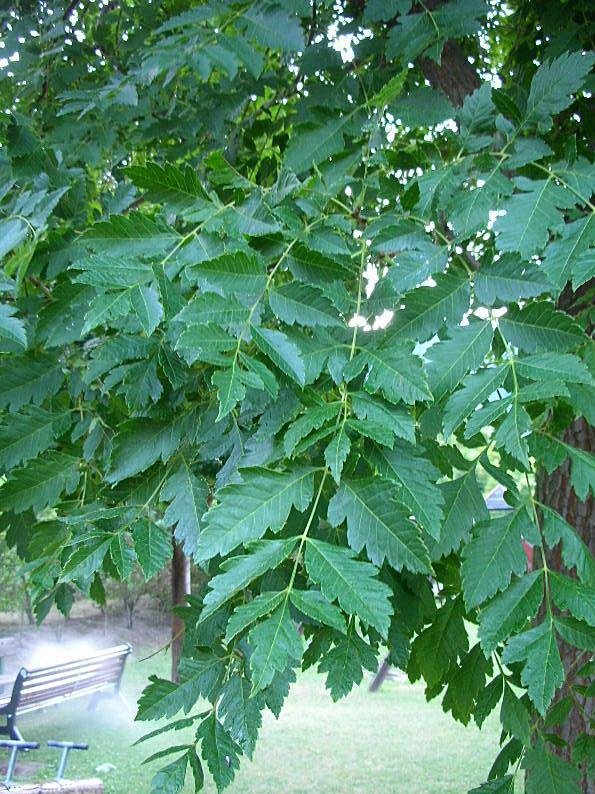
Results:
[391, 741]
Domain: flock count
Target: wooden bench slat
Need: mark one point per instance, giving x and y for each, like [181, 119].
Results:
[49, 675]
[58, 699]
[116, 652]
[38, 695]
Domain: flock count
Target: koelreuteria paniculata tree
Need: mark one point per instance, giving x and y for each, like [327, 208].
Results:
[286, 278]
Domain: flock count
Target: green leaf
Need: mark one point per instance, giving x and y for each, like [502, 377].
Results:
[577, 598]
[313, 145]
[238, 572]
[465, 683]
[494, 554]
[12, 327]
[313, 604]
[147, 307]
[436, 649]
[153, 547]
[548, 773]
[415, 32]
[41, 483]
[311, 267]
[390, 90]
[410, 268]
[141, 442]
[488, 700]
[543, 672]
[510, 611]
[540, 328]
[86, 559]
[199, 677]
[451, 359]
[566, 259]
[375, 431]
[131, 235]
[313, 419]
[167, 184]
[530, 215]
[514, 717]
[583, 752]
[274, 28]
[281, 351]
[246, 614]
[261, 373]
[239, 272]
[275, 645]
[428, 308]
[469, 211]
[378, 523]
[416, 479]
[421, 107]
[241, 713]
[25, 435]
[345, 663]
[476, 388]
[246, 510]
[583, 268]
[512, 431]
[553, 452]
[230, 388]
[122, 555]
[464, 506]
[187, 496]
[205, 343]
[105, 309]
[13, 231]
[219, 750]
[396, 419]
[303, 304]
[111, 272]
[552, 88]
[508, 279]
[575, 553]
[336, 453]
[353, 583]
[26, 379]
[395, 371]
[576, 632]
[211, 308]
[171, 778]
[554, 366]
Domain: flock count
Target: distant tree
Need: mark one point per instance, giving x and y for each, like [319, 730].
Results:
[282, 278]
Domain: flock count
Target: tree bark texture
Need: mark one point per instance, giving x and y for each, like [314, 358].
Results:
[556, 492]
[180, 588]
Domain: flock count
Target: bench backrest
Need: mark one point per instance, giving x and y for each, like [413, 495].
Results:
[47, 686]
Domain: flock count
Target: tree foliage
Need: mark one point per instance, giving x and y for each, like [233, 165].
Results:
[266, 288]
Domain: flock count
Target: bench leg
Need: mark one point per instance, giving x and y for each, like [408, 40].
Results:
[125, 703]
[13, 731]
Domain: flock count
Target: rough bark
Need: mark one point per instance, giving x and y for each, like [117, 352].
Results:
[454, 76]
[556, 492]
[180, 588]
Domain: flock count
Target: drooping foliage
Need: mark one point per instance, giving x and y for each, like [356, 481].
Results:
[268, 288]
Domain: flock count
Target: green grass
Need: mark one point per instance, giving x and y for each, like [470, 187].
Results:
[390, 741]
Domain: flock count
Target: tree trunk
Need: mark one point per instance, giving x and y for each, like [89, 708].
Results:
[556, 492]
[180, 588]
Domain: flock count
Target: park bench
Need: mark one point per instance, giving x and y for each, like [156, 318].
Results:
[95, 675]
